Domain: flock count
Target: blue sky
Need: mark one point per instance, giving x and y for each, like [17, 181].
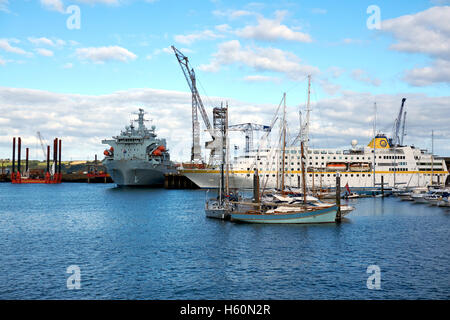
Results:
[123, 45]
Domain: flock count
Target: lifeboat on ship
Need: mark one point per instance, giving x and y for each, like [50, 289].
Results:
[157, 153]
[359, 166]
[336, 166]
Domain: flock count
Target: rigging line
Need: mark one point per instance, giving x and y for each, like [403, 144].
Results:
[297, 84]
[319, 110]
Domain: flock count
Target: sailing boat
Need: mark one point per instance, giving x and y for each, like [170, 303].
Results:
[220, 207]
[274, 213]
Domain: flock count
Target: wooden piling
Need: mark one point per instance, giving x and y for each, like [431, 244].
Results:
[382, 186]
[338, 198]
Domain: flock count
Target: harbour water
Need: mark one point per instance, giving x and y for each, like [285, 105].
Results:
[158, 244]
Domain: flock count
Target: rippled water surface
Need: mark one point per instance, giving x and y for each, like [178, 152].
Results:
[157, 244]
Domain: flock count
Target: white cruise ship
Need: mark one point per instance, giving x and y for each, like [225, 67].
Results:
[399, 166]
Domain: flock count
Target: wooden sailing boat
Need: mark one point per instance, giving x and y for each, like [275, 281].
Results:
[220, 207]
[285, 213]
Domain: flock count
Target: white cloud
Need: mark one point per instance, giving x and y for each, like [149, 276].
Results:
[362, 76]
[47, 42]
[260, 78]
[5, 45]
[272, 30]
[258, 58]
[109, 2]
[233, 14]
[224, 28]
[41, 41]
[4, 6]
[82, 121]
[438, 72]
[203, 35]
[103, 54]
[2, 62]
[44, 52]
[426, 32]
[68, 65]
[55, 5]
[335, 72]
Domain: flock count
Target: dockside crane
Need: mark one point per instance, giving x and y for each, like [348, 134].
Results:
[248, 129]
[403, 129]
[396, 140]
[197, 105]
[42, 144]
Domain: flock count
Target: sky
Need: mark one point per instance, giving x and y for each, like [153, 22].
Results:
[78, 69]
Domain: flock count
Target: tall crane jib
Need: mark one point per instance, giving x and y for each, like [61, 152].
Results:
[41, 140]
[396, 136]
[197, 105]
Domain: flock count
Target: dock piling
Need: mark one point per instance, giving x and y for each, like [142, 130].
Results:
[338, 198]
[13, 160]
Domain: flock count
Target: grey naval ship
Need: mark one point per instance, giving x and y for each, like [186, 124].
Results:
[137, 157]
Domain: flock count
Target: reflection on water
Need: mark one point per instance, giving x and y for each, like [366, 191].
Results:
[157, 244]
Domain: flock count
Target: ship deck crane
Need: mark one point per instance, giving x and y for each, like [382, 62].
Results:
[197, 105]
[248, 129]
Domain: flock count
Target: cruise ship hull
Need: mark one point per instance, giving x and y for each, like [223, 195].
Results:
[209, 179]
[136, 172]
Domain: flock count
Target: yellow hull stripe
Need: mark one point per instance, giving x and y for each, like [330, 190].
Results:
[322, 172]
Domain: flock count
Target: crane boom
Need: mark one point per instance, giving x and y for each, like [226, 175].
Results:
[189, 74]
[403, 129]
[398, 122]
[42, 144]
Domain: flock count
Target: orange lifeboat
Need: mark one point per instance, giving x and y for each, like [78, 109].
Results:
[157, 152]
[106, 153]
[162, 148]
[336, 166]
[111, 149]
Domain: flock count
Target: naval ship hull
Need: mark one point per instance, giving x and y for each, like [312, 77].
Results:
[136, 172]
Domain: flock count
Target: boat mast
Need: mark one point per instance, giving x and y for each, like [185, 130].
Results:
[374, 139]
[432, 151]
[308, 110]
[227, 152]
[284, 142]
[303, 173]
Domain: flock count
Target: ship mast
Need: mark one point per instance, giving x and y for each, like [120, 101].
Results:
[308, 111]
[284, 143]
[306, 136]
[303, 173]
[432, 151]
[374, 139]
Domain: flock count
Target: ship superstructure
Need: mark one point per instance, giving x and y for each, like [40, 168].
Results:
[405, 166]
[137, 157]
